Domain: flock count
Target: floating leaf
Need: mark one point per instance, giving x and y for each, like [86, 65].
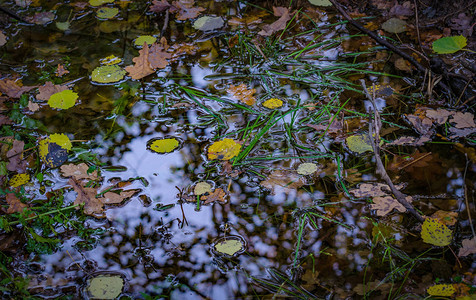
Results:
[60, 71]
[108, 74]
[359, 143]
[78, 172]
[436, 233]
[48, 89]
[273, 103]
[105, 287]
[63, 100]
[61, 140]
[242, 93]
[217, 195]
[139, 42]
[320, 2]
[280, 24]
[441, 290]
[224, 150]
[384, 205]
[208, 23]
[307, 168]
[229, 246]
[63, 25]
[107, 12]
[282, 180]
[110, 60]
[163, 145]
[449, 44]
[394, 25]
[19, 180]
[469, 247]
[99, 2]
[141, 67]
[202, 188]
[53, 154]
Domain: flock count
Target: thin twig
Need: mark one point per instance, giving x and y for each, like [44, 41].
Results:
[374, 133]
[466, 197]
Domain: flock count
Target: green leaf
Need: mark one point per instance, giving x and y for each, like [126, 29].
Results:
[63, 100]
[108, 74]
[320, 2]
[229, 246]
[449, 44]
[107, 12]
[139, 42]
[99, 2]
[359, 143]
[207, 23]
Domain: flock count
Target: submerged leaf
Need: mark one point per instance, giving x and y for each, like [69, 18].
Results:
[224, 150]
[394, 25]
[242, 93]
[163, 145]
[105, 287]
[107, 12]
[436, 233]
[307, 168]
[99, 2]
[359, 143]
[449, 44]
[229, 246]
[208, 23]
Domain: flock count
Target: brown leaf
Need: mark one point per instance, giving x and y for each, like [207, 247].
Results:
[217, 195]
[87, 196]
[13, 88]
[114, 198]
[32, 106]
[372, 190]
[446, 217]
[60, 71]
[185, 10]
[141, 68]
[3, 39]
[410, 141]
[385, 205]
[242, 93]
[15, 157]
[158, 55]
[15, 204]
[78, 172]
[280, 24]
[403, 65]
[439, 116]
[469, 247]
[159, 6]
[402, 10]
[463, 120]
[49, 89]
[282, 179]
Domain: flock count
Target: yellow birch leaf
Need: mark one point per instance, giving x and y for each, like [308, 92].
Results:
[436, 233]
[63, 100]
[442, 290]
[163, 145]
[273, 103]
[19, 179]
[224, 150]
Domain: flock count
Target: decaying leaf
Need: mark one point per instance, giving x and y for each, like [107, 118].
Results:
[159, 6]
[446, 217]
[242, 93]
[48, 89]
[384, 205]
[141, 67]
[441, 290]
[14, 204]
[282, 179]
[201, 188]
[13, 88]
[185, 10]
[105, 287]
[107, 12]
[469, 247]
[394, 25]
[3, 39]
[116, 197]
[224, 150]
[463, 120]
[218, 195]
[359, 143]
[280, 24]
[372, 190]
[158, 57]
[19, 180]
[362, 289]
[15, 157]
[87, 196]
[53, 150]
[60, 71]
[207, 23]
[78, 172]
[434, 232]
[307, 168]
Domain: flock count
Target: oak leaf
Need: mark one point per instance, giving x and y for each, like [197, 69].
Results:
[92, 206]
[48, 89]
[185, 10]
[242, 93]
[159, 6]
[14, 88]
[141, 68]
[217, 195]
[281, 179]
[463, 120]
[384, 205]
[78, 172]
[469, 247]
[113, 197]
[15, 157]
[280, 24]
[15, 204]
[158, 55]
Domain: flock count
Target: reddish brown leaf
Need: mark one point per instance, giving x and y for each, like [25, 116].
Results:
[141, 68]
[4, 120]
[15, 204]
[217, 195]
[280, 24]
[87, 196]
[185, 10]
[242, 93]
[159, 6]
[158, 55]
[49, 89]
[60, 71]
[286, 180]
[116, 198]
[13, 88]
[15, 157]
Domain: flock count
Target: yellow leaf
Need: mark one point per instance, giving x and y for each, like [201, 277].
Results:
[273, 103]
[19, 179]
[110, 60]
[202, 188]
[224, 150]
[442, 290]
[229, 246]
[436, 233]
[107, 12]
[62, 140]
[359, 143]
[163, 145]
[63, 100]
[54, 150]
[108, 74]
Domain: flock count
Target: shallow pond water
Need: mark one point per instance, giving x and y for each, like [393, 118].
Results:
[303, 236]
